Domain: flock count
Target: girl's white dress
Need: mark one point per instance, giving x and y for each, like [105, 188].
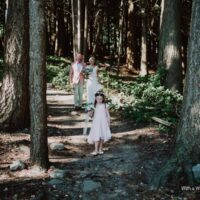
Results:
[93, 85]
[100, 125]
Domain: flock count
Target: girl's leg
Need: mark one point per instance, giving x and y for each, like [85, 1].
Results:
[97, 146]
[101, 146]
[96, 149]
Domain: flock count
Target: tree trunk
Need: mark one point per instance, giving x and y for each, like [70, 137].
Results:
[61, 40]
[99, 19]
[37, 78]
[169, 46]
[143, 63]
[77, 21]
[86, 29]
[2, 22]
[79, 28]
[14, 96]
[187, 148]
[108, 31]
[121, 23]
[131, 50]
[56, 33]
[74, 25]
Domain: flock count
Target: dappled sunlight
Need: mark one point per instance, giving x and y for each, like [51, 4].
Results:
[114, 75]
[68, 129]
[134, 134]
[172, 54]
[75, 139]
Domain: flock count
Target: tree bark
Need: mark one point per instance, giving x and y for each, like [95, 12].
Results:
[74, 25]
[187, 148]
[2, 22]
[121, 23]
[86, 29]
[169, 44]
[80, 25]
[99, 19]
[37, 78]
[108, 21]
[143, 63]
[131, 50]
[14, 96]
[61, 40]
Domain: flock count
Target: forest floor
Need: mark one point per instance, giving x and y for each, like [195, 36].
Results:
[131, 159]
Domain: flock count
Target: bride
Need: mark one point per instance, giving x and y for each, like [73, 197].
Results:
[93, 85]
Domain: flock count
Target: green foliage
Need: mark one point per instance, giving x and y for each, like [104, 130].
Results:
[58, 72]
[146, 98]
[58, 61]
[52, 71]
[61, 81]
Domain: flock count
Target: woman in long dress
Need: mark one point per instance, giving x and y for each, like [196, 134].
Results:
[93, 85]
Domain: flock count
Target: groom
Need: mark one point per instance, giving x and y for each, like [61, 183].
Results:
[77, 80]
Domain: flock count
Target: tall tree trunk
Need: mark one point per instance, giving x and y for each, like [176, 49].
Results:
[169, 46]
[99, 19]
[161, 13]
[14, 96]
[131, 50]
[48, 31]
[77, 21]
[2, 22]
[79, 29]
[143, 63]
[52, 27]
[121, 23]
[37, 78]
[61, 40]
[187, 148]
[108, 31]
[154, 28]
[74, 25]
[69, 28]
[56, 33]
[86, 28]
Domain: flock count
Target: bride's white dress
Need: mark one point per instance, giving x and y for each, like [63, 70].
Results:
[93, 85]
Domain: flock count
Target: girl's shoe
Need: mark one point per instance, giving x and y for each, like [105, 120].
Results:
[94, 153]
[101, 152]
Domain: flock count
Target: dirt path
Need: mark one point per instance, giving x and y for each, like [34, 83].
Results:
[131, 159]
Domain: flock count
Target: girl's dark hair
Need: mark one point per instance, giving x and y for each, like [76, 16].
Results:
[102, 95]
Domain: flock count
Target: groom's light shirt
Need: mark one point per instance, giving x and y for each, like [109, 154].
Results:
[75, 73]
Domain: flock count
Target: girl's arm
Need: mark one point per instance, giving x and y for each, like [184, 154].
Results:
[108, 116]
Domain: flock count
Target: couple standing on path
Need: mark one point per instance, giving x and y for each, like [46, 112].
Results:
[77, 71]
[100, 129]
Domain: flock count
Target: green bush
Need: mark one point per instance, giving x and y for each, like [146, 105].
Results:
[52, 71]
[146, 98]
[58, 61]
[58, 72]
[61, 81]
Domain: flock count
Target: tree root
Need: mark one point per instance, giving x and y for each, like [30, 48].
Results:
[161, 178]
[173, 169]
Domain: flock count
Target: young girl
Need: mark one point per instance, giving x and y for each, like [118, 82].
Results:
[100, 130]
[92, 83]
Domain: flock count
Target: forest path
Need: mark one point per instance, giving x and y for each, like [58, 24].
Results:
[130, 160]
[123, 172]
